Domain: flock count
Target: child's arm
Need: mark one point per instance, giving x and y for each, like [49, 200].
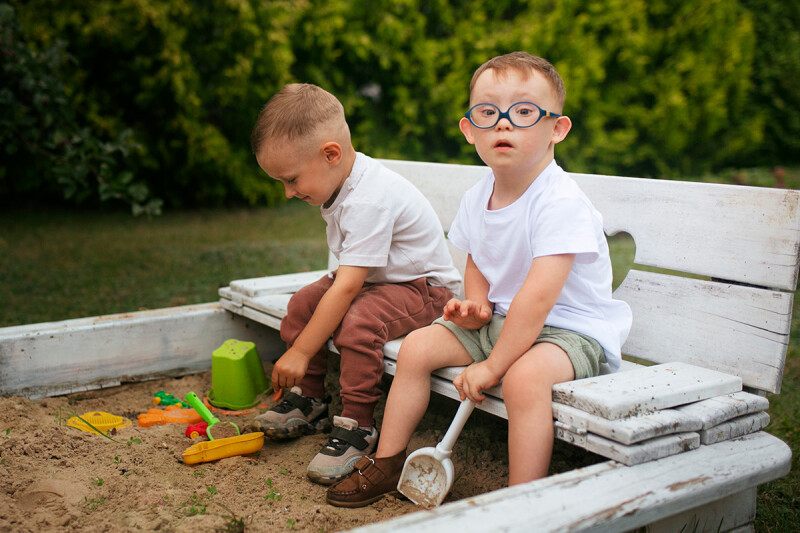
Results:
[292, 365]
[475, 310]
[522, 326]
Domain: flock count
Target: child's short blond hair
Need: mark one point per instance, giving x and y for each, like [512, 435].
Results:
[296, 112]
[525, 63]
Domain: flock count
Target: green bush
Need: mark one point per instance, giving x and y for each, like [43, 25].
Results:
[188, 78]
[655, 88]
[48, 149]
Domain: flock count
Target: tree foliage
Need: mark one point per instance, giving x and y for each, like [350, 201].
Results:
[166, 91]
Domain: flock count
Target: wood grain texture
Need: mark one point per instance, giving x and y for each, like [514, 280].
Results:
[611, 497]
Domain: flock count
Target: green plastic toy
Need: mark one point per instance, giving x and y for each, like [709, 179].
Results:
[162, 398]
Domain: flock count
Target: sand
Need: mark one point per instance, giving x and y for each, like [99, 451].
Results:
[58, 478]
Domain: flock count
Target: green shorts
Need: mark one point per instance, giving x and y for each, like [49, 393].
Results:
[584, 352]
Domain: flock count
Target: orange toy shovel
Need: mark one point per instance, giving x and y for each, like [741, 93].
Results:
[173, 414]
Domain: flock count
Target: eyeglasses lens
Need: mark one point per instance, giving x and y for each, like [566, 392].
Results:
[521, 114]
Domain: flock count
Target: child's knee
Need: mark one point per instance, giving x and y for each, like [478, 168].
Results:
[521, 384]
[414, 350]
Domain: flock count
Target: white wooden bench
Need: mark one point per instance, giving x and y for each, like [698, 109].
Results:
[690, 424]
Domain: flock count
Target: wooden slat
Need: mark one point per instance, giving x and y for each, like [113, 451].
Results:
[628, 430]
[644, 390]
[631, 454]
[253, 314]
[49, 359]
[745, 234]
[737, 427]
[715, 411]
[733, 329]
[283, 283]
[610, 497]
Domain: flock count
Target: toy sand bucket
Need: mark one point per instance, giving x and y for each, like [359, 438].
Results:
[237, 377]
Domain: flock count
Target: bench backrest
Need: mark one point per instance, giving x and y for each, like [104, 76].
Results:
[742, 242]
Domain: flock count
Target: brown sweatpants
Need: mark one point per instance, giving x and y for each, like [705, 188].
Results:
[381, 312]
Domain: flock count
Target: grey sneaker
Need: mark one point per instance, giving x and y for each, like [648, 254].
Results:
[294, 417]
[347, 444]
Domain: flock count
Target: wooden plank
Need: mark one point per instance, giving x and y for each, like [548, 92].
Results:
[283, 283]
[733, 329]
[644, 390]
[735, 428]
[628, 430]
[612, 497]
[727, 514]
[715, 411]
[273, 305]
[633, 454]
[746, 234]
[53, 358]
[254, 315]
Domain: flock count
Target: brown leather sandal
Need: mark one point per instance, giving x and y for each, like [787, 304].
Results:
[371, 478]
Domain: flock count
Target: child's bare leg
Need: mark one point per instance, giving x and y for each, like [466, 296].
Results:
[527, 392]
[422, 352]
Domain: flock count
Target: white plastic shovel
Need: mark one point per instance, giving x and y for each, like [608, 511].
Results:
[427, 474]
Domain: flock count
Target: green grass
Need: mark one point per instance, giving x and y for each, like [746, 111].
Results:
[60, 265]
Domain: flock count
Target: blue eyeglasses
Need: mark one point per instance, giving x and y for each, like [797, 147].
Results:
[520, 115]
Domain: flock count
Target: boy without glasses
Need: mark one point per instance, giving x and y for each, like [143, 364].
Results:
[395, 273]
[538, 308]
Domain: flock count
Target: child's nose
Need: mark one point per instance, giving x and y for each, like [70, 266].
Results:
[504, 124]
[289, 191]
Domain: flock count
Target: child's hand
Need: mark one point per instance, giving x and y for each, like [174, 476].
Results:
[289, 369]
[475, 379]
[467, 314]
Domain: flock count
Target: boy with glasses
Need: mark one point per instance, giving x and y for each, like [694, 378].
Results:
[395, 274]
[538, 308]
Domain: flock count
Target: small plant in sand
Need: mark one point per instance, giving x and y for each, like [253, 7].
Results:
[93, 503]
[290, 523]
[196, 504]
[98, 481]
[233, 524]
[273, 494]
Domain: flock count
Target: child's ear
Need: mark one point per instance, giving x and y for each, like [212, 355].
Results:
[466, 128]
[332, 152]
[561, 129]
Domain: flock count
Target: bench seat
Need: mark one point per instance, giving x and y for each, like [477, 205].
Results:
[598, 414]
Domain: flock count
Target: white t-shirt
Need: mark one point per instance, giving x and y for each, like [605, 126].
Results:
[553, 216]
[381, 221]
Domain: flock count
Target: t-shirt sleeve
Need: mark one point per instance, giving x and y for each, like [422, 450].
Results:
[565, 226]
[367, 230]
